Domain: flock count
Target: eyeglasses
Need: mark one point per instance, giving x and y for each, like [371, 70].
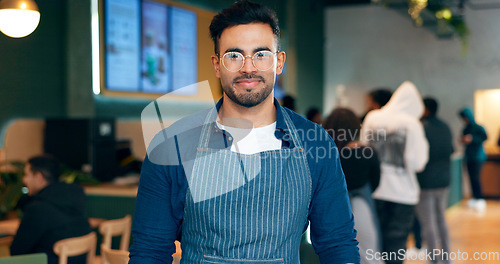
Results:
[262, 60]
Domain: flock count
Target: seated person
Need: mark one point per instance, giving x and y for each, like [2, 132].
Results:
[52, 211]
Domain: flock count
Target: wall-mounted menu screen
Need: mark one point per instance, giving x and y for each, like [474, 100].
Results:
[123, 44]
[150, 47]
[184, 55]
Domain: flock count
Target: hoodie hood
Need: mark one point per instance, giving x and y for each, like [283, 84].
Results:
[406, 99]
[65, 197]
[467, 113]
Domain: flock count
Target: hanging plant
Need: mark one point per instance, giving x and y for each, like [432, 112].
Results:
[445, 18]
[455, 20]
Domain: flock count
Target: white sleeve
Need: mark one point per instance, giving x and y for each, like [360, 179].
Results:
[417, 148]
[365, 127]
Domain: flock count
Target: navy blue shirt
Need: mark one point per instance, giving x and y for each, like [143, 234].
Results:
[163, 186]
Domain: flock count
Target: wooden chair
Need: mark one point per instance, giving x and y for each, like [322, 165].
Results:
[116, 227]
[75, 246]
[38, 258]
[113, 256]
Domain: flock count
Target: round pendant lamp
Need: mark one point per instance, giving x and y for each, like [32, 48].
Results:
[18, 18]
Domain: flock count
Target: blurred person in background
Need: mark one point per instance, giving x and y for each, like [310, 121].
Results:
[376, 99]
[473, 136]
[434, 180]
[397, 135]
[362, 173]
[289, 102]
[52, 211]
[314, 115]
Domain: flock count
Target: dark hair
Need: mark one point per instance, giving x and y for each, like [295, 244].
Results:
[381, 96]
[343, 126]
[431, 104]
[242, 13]
[47, 165]
[289, 102]
[312, 113]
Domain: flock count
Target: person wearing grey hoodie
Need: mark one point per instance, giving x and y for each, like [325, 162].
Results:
[396, 133]
[473, 136]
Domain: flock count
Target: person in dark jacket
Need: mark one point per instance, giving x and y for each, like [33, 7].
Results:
[434, 180]
[52, 211]
[361, 168]
[473, 136]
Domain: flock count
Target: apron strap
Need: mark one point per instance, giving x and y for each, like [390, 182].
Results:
[207, 128]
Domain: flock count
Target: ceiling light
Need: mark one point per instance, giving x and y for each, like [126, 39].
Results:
[18, 18]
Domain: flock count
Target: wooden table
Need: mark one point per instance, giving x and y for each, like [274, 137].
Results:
[108, 189]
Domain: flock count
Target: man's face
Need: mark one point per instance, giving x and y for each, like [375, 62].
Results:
[32, 180]
[249, 86]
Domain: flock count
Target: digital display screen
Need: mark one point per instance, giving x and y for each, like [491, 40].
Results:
[151, 47]
[184, 49]
[155, 77]
[122, 45]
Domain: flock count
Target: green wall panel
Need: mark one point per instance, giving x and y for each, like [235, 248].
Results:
[33, 69]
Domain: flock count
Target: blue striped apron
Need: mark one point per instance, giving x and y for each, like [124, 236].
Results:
[246, 208]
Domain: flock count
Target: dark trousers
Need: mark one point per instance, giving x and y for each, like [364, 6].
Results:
[417, 232]
[396, 221]
[474, 169]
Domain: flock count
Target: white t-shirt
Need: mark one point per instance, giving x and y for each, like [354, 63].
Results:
[254, 140]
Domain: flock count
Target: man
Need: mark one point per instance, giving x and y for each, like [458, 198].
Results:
[314, 115]
[53, 211]
[243, 195]
[398, 137]
[376, 99]
[434, 180]
[473, 136]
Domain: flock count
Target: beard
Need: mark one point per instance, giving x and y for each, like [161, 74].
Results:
[249, 99]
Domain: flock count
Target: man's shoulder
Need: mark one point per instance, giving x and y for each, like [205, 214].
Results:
[60, 186]
[299, 121]
[188, 123]
[36, 207]
[307, 131]
[440, 122]
[162, 149]
[374, 117]
[478, 127]
[183, 127]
